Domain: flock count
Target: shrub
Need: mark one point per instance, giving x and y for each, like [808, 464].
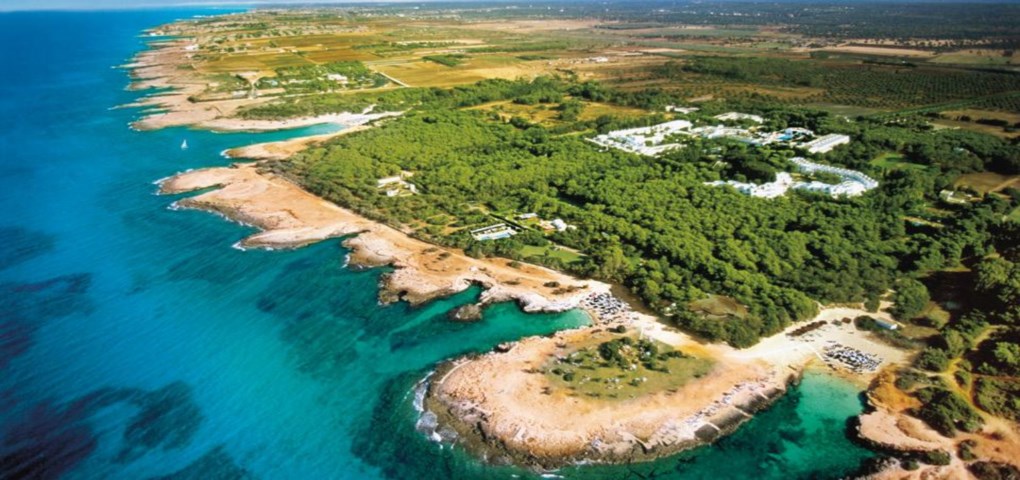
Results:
[907, 379]
[966, 450]
[936, 457]
[933, 360]
[994, 471]
[945, 411]
[872, 303]
[910, 299]
[962, 378]
[998, 397]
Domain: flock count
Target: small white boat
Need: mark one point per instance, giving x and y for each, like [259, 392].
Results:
[184, 145]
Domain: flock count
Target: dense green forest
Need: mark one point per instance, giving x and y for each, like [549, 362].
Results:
[650, 223]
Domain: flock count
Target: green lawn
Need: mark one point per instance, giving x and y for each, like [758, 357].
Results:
[586, 372]
[565, 255]
[895, 161]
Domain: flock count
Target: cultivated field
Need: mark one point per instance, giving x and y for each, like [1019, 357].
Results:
[987, 182]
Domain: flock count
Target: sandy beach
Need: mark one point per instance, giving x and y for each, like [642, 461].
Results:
[283, 149]
[346, 119]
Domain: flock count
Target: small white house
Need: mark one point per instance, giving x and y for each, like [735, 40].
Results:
[886, 324]
[683, 110]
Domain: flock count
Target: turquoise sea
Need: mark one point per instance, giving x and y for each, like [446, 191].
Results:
[136, 343]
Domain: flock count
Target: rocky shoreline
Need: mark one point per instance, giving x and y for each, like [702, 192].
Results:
[289, 217]
[494, 405]
[502, 407]
[468, 427]
[888, 428]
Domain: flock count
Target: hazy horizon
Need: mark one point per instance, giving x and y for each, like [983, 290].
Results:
[37, 5]
[43, 5]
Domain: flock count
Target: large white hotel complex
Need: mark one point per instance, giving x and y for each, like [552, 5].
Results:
[653, 140]
[852, 184]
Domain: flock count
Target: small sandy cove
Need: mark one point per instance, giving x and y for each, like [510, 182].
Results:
[284, 149]
[503, 407]
[289, 217]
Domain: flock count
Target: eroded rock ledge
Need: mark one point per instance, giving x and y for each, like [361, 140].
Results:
[289, 217]
[503, 408]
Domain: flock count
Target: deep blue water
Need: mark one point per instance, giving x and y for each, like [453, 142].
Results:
[136, 343]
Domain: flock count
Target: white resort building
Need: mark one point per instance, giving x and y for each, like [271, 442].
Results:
[336, 77]
[806, 166]
[739, 116]
[773, 189]
[825, 143]
[853, 183]
[722, 131]
[683, 110]
[396, 185]
[493, 232]
[643, 140]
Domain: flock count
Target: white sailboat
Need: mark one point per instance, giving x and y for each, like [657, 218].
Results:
[184, 145]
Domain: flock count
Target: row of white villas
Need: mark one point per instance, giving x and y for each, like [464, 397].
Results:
[825, 143]
[650, 140]
[806, 166]
[853, 183]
